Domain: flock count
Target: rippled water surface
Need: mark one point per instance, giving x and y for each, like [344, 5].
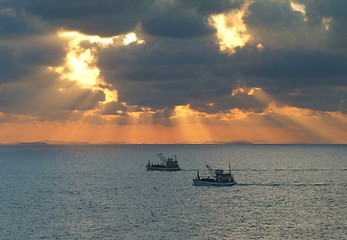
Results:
[104, 192]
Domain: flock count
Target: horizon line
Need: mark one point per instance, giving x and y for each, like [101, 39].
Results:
[43, 143]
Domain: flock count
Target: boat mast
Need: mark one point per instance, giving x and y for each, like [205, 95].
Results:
[162, 158]
[231, 175]
[212, 173]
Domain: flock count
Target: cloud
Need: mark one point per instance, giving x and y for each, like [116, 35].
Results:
[177, 27]
[16, 24]
[46, 94]
[8, 67]
[178, 19]
[104, 18]
[275, 15]
[299, 68]
[29, 87]
[295, 57]
[322, 98]
[113, 108]
[182, 74]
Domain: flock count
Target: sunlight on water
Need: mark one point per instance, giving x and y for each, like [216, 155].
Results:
[104, 192]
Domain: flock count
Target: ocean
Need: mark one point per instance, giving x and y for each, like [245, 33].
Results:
[105, 192]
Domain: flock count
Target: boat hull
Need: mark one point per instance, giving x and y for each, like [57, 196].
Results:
[152, 168]
[212, 183]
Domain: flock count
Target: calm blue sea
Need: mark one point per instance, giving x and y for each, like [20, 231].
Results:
[104, 192]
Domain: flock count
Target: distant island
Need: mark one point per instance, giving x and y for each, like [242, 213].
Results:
[44, 143]
[32, 143]
[228, 143]
[240, 143]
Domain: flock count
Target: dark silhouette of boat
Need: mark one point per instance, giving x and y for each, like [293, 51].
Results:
[217, 177]
[168, 164]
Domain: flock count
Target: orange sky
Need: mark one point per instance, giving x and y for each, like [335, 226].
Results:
[293, 127]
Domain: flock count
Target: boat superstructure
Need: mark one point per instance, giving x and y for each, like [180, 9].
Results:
[168, 164]
[217, 177]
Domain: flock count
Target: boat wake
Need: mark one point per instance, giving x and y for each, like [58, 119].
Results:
[276, 170]
[288, 184]
[289, 170]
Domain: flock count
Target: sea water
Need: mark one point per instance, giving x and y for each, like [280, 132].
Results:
[105, 192]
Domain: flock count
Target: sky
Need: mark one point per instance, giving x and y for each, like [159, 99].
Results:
[173, 71]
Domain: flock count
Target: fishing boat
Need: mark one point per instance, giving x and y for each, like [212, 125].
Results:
[168, 164]
[217, 177]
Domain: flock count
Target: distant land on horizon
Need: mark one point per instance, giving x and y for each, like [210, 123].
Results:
[44, 143]
[115, 143]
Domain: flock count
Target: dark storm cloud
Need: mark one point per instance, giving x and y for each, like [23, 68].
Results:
[183, 27]
[107, 18]
[183, 19]
[275, 24]
[13, 24]
[181, 62]
[25, 56]
[207, 7]
[101, 17]
[283, 68]
[8, 67]
[336, 9]
[44, 51]
[164, 74]
[166, 77]
[272, 15]
[21, 47]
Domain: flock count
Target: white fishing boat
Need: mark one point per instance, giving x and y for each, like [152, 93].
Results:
[217, 177]
[167, 164]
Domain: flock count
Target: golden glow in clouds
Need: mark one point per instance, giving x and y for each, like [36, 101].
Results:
[245, 89]
[81, 61]
[184, 111]
[326, 22]
[131, 38]
[231, 29]
[298, 7]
